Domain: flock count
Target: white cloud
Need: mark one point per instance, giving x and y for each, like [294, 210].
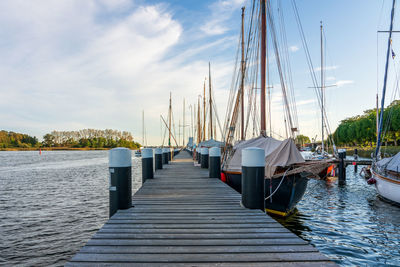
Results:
[293, 48]
[221, 11]
[327, 68]
[342, 83]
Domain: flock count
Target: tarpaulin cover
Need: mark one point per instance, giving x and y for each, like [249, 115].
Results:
[391, 164]
[277, 154]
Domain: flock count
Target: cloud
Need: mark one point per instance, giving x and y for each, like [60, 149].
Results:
[327, 68]
[221, 12]
[293, 48]
[342, 83]
[68, 65]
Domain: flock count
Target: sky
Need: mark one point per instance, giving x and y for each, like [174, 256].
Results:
[72, 64]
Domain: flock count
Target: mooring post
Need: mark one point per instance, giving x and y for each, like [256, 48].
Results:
[204, 157]
[169, 154]
[158, 158]
[342, 167]
[215, 162]
[253, 172]
[355, 159]
[120, 167]
[199, 156]
[147, 164]
[165, 155]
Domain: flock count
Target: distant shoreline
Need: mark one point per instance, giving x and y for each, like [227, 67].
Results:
[51, 148]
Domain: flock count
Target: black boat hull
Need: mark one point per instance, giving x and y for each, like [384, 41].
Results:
[289, 193]
[285, 199]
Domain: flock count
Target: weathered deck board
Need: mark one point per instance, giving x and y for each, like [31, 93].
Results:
[183, 218]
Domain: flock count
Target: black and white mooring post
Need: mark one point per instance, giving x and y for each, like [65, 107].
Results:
[253, 172]
[199, 155]
[165, 155]
[355, 159]
[215, 162]
[120, 167]
[342, 166]
[204, 157]
[169, 154]
[147, 164]
[158, 158]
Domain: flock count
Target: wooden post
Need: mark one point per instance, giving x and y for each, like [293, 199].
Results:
[342, 167]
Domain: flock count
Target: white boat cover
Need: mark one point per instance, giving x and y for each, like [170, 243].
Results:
[391, 164]
[277, 154]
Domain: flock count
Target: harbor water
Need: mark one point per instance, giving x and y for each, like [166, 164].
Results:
[53, 203]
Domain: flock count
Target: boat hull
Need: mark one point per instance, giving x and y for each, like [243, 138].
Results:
[289, 193]
[285, 198]
[387, 188]
[234, 180]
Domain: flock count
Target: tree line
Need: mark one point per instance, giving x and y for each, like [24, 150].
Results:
[90, 138]
[17, 140]
[361, 130]
[85, 138]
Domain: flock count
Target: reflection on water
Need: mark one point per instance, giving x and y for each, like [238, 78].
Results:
[350, 223]
[51, 204]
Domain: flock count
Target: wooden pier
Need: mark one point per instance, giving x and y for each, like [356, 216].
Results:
[183, 218]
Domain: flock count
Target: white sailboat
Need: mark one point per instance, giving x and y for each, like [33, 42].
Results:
[386, 172]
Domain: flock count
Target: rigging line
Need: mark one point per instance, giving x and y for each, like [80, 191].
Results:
[283, 87]
[288, 66]
[385, 80]
[308, 57]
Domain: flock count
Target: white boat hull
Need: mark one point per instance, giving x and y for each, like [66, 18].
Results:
[387, 187]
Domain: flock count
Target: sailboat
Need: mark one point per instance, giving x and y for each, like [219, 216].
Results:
[386, 172]
[286, 175]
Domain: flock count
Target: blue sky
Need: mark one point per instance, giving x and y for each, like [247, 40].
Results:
[71, 64]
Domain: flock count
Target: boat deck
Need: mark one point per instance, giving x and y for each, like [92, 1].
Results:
[183, 218]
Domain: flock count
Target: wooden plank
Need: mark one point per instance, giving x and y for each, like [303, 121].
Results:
[198, 242]
[193, 230]
[211, 257]
[209, 264]
[195, 249]
[199, 236]
[190, 226]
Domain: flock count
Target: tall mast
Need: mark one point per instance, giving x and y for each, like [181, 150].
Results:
[263, 65]
[242, 81]
[169, 118]
[142, 127]
[209, 86]
[183, 139]
[377, 119]
[322, 93]
[204, 111]
[377, 152]
[198, 121]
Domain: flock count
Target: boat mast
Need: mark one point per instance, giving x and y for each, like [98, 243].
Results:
[378, 145]
[377, 119]
[322, 94]
[183, 139]
[198, 121]
[204, 111]
[242, 81]
[169, 119]
[142, 127]
[209, 86]
[263, 65]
